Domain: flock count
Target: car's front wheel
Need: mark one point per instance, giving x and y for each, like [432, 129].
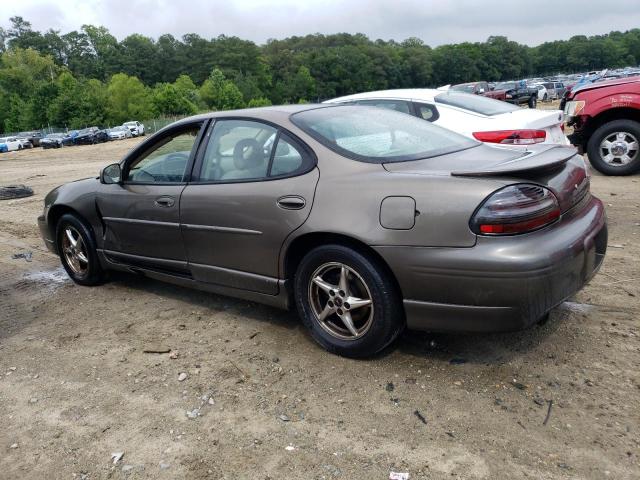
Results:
[347, 301]
[614, 148]
[533, 102]
[77, 250]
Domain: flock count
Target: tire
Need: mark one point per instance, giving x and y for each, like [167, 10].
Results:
[376, 325]
[90, 272]
[15, 191]
[630, 130]
[545, 98]
[533, 102]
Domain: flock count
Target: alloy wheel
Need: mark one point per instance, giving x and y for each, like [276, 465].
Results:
[341, 301]
[75, 251]
[619, 149]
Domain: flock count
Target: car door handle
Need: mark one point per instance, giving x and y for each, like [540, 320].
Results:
[165, 201]
[291, 202]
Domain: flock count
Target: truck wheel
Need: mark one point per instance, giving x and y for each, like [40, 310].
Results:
[614, 148]
[533, 102]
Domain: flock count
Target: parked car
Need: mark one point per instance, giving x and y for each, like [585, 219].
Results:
[518, 93]
[474, 116]
[605, 117]
[33, 137]
[86, 136]
[53, 140]
[119, 133]
[480, 88]
[24, 142]
[555, 90]
[543, 96]
[102, 135]
[137, 128]
[69, 139]
[268, 205]
[11, 143]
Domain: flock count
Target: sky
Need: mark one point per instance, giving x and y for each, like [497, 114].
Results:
[436, 22]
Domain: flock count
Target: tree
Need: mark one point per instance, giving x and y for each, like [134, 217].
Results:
[128, 99]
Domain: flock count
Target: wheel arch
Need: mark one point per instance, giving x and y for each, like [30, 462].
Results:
[302, 244]
[55, 214]
[609, 115]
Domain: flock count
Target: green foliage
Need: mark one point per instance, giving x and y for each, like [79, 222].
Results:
[259, 102]
[128, 99]
[88, 77]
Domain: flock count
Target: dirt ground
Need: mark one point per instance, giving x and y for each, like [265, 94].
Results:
[76, 384]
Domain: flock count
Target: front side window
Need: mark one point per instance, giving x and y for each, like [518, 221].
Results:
[167, 160]
[378, 135]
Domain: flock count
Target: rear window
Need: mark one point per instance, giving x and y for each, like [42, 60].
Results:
[475, 103]
[378, 135]
[467, 87]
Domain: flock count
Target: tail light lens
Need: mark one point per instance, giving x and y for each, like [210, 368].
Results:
[516, 209]
[512, 137]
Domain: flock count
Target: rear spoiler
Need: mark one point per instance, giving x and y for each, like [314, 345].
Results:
[551, 158]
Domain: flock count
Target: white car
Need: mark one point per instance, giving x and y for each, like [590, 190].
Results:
[543, 95]
[119, 133]
[11, 143]
[474, 116]
[136, 128]
[25, 142]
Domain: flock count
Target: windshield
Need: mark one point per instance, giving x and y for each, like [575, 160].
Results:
[475, 103]
[378, 135]
[129, 124]
[467, 87]
[506, 86]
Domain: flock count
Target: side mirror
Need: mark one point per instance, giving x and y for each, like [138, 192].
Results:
[111, 174]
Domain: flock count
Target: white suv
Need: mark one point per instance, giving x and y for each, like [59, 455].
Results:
[136, 128]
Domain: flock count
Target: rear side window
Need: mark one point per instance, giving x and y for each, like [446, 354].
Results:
[288, 158]
[426, 112]
[475, 103]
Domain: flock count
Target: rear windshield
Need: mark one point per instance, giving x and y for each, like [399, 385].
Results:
[467, 87]
[475, 103]
[378, 135]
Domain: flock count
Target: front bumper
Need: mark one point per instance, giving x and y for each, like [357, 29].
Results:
[45, 232]
[502, 283]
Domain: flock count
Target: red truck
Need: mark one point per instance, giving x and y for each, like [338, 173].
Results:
[605, 117]
[480, 88]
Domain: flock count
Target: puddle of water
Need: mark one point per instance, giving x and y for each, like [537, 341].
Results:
[50, 277]
[577, 307]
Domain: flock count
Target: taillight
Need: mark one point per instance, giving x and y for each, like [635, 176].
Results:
[516, 209]
[512, 137]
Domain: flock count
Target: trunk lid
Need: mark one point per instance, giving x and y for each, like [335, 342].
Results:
[556, 167]
[528, 118]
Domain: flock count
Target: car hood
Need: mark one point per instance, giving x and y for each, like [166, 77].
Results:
[606, 83]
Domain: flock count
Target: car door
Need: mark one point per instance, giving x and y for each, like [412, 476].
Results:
[252, 186]
[141, 215]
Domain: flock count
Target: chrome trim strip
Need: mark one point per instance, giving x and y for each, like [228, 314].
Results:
[213, 228]
[141, 222]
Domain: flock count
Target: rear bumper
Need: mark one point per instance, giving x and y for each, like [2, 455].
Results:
[502, 283]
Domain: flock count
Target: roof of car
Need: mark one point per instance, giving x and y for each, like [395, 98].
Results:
[403, 93]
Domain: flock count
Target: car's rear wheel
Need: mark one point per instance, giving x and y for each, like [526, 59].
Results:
[347, 301]
[77, 250]
[533, 102]
[614, 148]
